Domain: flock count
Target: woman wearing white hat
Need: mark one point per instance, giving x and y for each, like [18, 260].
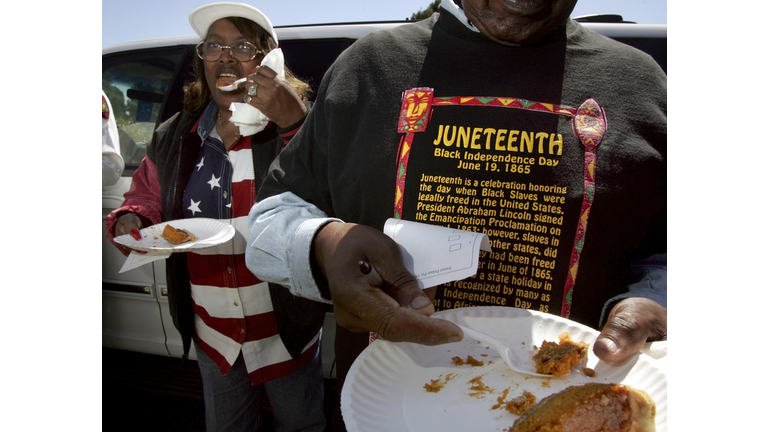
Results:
[253, 341]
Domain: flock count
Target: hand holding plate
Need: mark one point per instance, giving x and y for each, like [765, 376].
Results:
[129, 223]
[631, 323]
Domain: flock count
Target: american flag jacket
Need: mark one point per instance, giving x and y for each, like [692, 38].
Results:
[283, 331]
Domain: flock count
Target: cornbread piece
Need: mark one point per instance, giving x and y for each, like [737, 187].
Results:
[177, 236]
[558, 359]
[592, 407]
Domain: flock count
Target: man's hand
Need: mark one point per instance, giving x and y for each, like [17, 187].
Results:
[399, 310]
[630, 324]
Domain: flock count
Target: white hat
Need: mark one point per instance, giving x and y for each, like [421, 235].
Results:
[203, 17]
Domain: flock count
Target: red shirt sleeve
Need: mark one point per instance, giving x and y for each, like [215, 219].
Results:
[143, 198]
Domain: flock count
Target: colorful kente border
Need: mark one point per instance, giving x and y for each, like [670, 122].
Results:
[589, 124]
[500, 102]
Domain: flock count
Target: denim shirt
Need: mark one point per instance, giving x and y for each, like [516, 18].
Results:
[207, 120]
[280, 258]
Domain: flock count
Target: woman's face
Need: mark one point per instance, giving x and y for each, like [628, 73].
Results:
[227, 69]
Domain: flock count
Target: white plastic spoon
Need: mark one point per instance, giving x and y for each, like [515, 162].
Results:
[233, 86]
[513, 360]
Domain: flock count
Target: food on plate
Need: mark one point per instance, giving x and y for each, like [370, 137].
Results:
[477, 387]
[434, 386]
[516, 405]
[592, 407]
[558, 359]
[458, 361]
[177, 236]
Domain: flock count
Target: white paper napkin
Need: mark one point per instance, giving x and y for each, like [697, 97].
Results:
[249, 119]
[136, 259]
[435, 254]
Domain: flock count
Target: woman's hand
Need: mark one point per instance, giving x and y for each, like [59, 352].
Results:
[128, 223]
[274, 97]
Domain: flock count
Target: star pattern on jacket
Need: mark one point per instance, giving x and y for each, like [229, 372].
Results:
[214, 182]
[208, 190]
[194, 207]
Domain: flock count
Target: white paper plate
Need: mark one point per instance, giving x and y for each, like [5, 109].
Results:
[384, 390]
[209, 232]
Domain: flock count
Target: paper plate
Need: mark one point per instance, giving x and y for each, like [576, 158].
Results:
[384, 389]
[209, 232]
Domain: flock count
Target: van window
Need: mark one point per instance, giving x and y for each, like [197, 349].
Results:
[137, 83]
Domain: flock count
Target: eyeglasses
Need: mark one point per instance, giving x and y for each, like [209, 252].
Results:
[240, 51]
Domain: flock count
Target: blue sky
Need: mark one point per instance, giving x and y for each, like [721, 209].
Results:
[146, 19]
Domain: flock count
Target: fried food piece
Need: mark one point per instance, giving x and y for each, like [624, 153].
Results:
[558, 359]
[592, 407]
[176, 236]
